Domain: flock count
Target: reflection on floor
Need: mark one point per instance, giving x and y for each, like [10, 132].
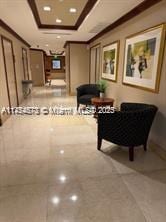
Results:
[50, 171]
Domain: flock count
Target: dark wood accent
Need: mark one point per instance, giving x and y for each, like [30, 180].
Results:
[97, 101]
[23, 49]
[48, 64]
[146, 4]
[101, 102]
[3, 50]
[69, 73]
[74, 42]
[131, 14]
[11, 31]
[35, 12]
[131, 153]
[99, 142]
[88, 7]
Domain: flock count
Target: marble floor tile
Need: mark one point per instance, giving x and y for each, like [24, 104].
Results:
[149, 190]
[51, 170]
[143, 161]
[23, 203]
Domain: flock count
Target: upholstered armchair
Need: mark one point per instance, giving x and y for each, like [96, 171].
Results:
[85, 93]
[128, 127]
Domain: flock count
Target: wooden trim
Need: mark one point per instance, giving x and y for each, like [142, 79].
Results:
[74, 42]
[24, 49]
[4, 38]
[11, 31]
[69, 73]
[88, 7]
[146, 4]
[160, 59]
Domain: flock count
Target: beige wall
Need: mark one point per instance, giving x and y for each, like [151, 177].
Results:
[37, 67]
[17, 46]
[120, 92]
[79, 65]
[67, 62]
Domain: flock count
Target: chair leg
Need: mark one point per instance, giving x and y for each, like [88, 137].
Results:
[99, 142]
[131, 153]
[145, 146]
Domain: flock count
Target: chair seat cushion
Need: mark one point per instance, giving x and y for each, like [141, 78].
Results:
[86, 99]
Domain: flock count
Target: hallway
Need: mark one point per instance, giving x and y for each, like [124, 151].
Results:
[51, 171]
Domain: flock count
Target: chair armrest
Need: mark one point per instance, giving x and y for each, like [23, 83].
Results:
[125, 128]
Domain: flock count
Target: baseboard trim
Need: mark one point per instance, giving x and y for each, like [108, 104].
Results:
[157, 149]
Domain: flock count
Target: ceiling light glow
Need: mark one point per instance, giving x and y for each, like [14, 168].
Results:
[58, 20]
[72, 10]
[47, 8]
[58, 37]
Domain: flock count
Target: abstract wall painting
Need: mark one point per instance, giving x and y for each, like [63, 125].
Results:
[143, 58]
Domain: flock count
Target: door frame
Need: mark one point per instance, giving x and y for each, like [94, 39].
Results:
[24, 49]
[98, 45]
[14, 68]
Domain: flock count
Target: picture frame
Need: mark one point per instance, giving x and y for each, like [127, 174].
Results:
[143, 58]
[110, 57]
[56, 64]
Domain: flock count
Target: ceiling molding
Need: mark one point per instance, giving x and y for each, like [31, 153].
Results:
[146, 4]
[88, 7]
[11, 31]
[74, 42]
[58, 54]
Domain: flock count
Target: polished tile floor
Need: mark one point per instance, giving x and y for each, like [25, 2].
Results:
[50, 171]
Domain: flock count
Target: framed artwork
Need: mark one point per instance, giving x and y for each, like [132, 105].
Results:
[56, 64]
[143, 58]
[110, 61]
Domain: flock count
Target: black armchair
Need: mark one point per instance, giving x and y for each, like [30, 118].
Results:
[129, 127]
[85, 93]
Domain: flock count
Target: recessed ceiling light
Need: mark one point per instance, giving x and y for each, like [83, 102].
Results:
[58, 37]
[47, 45]
[72, 10]
[47, 8]
[58, 20]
